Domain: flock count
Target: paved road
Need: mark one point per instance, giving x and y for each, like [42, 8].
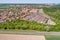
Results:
[20, 37]
[30, 33]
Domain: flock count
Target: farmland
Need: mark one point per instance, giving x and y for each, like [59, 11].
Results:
[52, 37]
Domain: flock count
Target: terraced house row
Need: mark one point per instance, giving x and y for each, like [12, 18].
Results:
[25, 13]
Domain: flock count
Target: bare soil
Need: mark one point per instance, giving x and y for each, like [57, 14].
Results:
[20, 37]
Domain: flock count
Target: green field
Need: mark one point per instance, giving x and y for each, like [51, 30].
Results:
[52, 37]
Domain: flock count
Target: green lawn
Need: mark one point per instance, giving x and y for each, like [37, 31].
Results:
[53, 37]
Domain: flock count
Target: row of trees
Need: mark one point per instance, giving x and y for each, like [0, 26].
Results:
[27, 25]
[22, 24]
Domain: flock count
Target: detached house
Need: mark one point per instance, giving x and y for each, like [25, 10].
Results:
[25, 13]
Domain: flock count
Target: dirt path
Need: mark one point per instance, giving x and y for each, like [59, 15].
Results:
[20, 37]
